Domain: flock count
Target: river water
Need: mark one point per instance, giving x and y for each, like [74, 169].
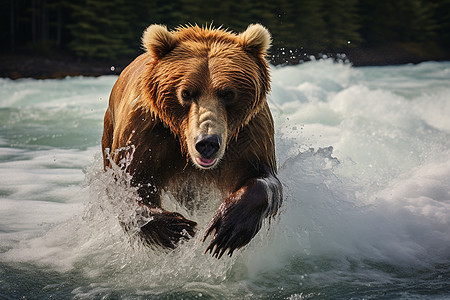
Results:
[363, 154]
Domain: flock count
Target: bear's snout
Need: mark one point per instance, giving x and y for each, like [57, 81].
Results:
[206, 133]
[207, 145]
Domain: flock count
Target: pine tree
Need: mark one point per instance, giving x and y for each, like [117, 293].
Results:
[441, 13]
[388, 21]
[309, 32]
[417, 22]
[101, 29]
[341, 23]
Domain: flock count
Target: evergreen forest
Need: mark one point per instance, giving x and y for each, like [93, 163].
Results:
[111, 29]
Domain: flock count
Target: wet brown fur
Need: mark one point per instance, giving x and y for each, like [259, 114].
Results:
[145, 111]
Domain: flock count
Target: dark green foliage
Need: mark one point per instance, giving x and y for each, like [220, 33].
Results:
[101, 30]
[111, 29]
[387, 21]
[441, 16]
[342, 23]
[308, 22]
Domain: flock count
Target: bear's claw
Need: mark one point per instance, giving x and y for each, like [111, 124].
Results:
[166, 229]
[233, 228]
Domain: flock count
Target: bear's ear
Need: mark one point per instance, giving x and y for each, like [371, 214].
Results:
[158, 41]
[256, 39]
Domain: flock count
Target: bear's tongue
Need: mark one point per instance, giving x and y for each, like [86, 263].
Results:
[206, 162]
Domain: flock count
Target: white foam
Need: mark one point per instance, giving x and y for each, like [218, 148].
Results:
[381, 193]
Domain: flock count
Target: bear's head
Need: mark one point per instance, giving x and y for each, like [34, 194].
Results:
[205, 84]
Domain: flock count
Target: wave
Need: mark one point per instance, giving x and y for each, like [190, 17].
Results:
[363, 154]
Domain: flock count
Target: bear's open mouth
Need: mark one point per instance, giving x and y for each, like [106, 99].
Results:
[206, 162]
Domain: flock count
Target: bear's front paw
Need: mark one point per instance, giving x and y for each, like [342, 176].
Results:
[234, 224]
[167, 229]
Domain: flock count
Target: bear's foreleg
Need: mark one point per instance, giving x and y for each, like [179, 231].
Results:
[241, 214]
[150, 171]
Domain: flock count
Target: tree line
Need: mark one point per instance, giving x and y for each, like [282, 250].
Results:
[111, 29]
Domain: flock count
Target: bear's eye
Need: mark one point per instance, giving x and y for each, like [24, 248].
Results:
[226, 95]
[186, 95]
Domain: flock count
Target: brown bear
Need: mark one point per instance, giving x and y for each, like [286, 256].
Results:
[192, 111]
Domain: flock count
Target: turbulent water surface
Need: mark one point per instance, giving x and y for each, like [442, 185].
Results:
[363, 154]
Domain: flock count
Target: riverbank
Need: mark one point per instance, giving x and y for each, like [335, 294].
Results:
[25, 65]
[60, 65]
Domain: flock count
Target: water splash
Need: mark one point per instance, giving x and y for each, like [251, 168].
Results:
[367, 217]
